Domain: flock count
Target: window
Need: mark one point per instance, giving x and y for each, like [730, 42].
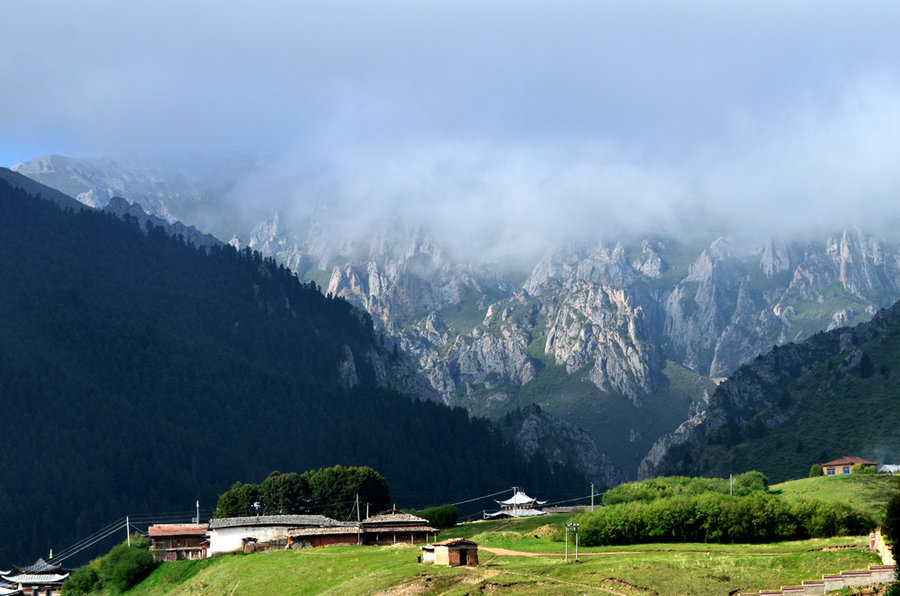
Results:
[831, 471]
[846, 469]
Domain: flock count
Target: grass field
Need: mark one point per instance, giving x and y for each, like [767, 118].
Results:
[865, 491]
[530, 564]
[527, 556]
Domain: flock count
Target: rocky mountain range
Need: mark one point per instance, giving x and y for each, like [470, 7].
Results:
[624, 338]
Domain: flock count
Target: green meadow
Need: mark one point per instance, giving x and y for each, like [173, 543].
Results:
[515, 558]
[528, 556]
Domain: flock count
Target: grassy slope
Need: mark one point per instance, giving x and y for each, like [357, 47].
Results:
[663, 568]
[666, 569]
[868, 492]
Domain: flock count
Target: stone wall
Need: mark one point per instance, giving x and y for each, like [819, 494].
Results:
[875, 575]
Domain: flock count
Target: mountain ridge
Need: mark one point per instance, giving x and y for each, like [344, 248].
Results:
[613, 314]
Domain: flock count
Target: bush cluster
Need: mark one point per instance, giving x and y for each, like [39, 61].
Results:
[670, 486]
[714, 517]
[121, 568]
[442, 516]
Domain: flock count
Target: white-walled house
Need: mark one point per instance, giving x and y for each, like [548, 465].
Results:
[229, 534]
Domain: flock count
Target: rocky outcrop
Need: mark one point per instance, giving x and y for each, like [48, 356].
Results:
[600, 325]
[562, 443]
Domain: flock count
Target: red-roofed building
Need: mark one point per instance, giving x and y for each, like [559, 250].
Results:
[843, 464]
[176, 542]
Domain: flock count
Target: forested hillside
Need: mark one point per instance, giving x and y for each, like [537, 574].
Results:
[834, 394]
[139, 373]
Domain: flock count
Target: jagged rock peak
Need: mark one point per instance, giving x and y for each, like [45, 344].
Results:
[613, 265]
[711, 260]
[777, 256]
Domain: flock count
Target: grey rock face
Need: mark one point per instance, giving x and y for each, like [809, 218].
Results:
[599, 324]
[563, 443]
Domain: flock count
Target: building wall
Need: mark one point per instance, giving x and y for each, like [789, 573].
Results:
[331, 540]
[876, 575]
[400, 536]
[444, 555]
[228, 540]
[441, 555]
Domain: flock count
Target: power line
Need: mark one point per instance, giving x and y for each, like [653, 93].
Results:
[479, 498]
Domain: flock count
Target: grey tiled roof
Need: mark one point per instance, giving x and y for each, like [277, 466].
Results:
[276, 520]
[394, 519]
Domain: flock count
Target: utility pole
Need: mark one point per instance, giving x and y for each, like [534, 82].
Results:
[357, 508]
[197, 521]
[574, 528]
[127, 533]
[592, 496]
[731, 484]
[576, 543]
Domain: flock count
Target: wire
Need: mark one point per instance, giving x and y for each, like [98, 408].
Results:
[479, 498]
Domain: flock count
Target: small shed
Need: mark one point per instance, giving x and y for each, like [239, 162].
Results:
[455, 552]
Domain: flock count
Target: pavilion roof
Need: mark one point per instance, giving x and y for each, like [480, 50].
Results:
[37, 578]
[40, 566]
[520, 498]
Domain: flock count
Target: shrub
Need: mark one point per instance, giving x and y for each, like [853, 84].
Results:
[124, 566]
[711, 517]
[443, 516]
[890, 526]
[83, 581]
[670, 486]
[862, 469]
[750, 482]
[816, 470]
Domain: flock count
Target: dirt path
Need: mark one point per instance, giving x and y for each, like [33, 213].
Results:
[522, 553]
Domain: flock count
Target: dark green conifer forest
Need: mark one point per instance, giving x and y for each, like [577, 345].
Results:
[138, 374]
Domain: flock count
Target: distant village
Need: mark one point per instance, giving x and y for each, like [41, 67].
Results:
[250, 534]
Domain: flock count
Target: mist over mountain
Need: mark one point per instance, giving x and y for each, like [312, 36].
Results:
[625, 337]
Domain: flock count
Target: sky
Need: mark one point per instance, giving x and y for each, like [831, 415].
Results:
[520, 121]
